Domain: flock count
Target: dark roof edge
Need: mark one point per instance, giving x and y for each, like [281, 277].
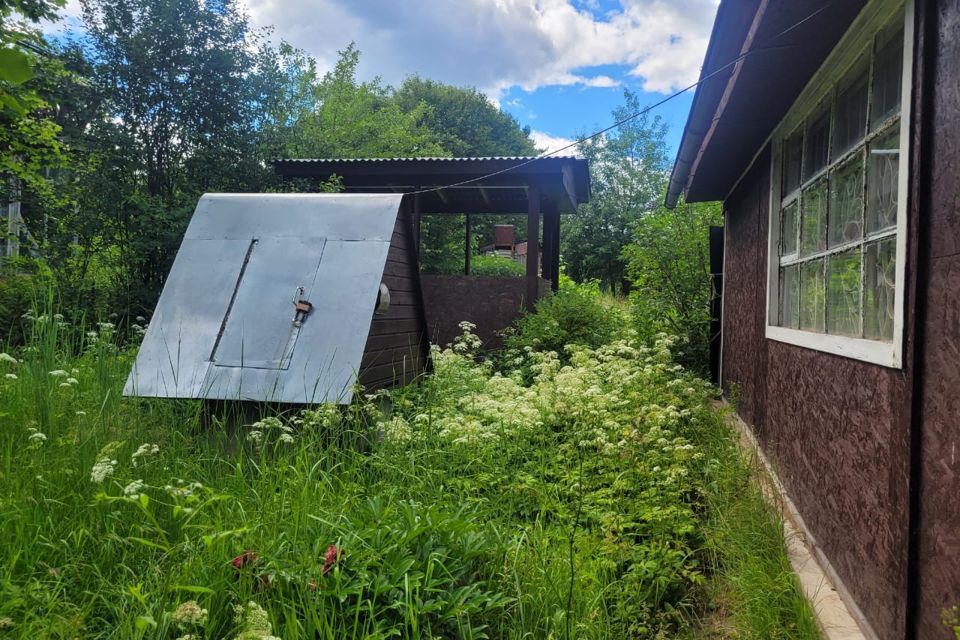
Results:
[710, 90]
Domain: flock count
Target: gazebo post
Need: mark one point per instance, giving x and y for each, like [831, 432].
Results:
[533, 245]
[468, 245]
[555, 254]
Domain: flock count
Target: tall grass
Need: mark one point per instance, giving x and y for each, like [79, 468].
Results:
[450, 508]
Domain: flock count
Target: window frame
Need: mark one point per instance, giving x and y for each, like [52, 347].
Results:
[825, 84]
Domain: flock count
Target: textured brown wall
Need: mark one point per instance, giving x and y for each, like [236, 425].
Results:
[396, 348]
[489, 302]
[939, 524]
[836, 429]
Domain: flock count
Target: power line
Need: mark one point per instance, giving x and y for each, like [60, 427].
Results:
[645, 110]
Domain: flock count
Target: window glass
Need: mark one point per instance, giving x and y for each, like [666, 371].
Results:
[788, 228]
[811, 295]
[790, 286]
[880, 276]
[843, 293]
[851, 112]
[883, 172]
[792, 154]
[887, 78]
[816, 149]
[814, 218]
[846, 203]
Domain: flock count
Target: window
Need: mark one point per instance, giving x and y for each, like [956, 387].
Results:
[838, 201]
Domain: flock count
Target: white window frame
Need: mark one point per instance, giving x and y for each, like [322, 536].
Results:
[878, 15]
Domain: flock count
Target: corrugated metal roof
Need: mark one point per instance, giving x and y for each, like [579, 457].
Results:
[225, 326]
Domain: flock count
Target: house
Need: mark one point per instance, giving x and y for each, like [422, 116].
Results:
[831, 132]
[287, 298]
[542, 189]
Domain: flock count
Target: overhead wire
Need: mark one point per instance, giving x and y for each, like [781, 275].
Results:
[619, 123]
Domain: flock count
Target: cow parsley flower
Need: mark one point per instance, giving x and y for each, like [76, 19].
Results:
[143, 451]
[190, 614]
[133, 489]
[102, 469]
[9, 359]
[59, 373]
[10, 376]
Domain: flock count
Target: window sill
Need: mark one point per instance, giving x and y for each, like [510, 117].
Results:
[885, 354]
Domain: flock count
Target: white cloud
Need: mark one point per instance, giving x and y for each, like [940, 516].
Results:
[547, 143]
[498, 44]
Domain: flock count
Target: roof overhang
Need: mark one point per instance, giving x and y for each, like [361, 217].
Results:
[762, 54]
[496, 185]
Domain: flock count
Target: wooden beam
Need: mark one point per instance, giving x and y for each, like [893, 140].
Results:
[555, 256]
[468, 246]
[545, 256]
[416, 223]
[533, 249]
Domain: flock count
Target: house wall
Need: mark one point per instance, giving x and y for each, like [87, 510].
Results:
[938, 551]
[837, 430]
[396, 349]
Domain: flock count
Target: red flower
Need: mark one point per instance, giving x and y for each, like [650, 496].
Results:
[245, 559]
[331, 557]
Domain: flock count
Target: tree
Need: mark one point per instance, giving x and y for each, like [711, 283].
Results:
[29, 145]
[465, 124]
[628, 171]
[668, 263]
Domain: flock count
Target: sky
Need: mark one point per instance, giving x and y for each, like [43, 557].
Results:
[559, 66]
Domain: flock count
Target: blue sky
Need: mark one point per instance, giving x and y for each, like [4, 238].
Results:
[559, 66]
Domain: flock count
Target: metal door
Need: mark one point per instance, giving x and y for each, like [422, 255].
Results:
[262, 323]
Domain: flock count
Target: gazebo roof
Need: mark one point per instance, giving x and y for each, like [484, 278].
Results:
[563, 181]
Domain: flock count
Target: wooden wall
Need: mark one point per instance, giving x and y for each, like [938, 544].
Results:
[397, 348]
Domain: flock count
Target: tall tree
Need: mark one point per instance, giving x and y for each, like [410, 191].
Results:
[465, 124]
[628, 171]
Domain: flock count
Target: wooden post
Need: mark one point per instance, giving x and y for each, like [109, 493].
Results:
[545, 261]
[533, 248]
[468, 246]
[416, 223]
[555, 256]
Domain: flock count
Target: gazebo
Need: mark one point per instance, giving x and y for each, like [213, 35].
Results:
[539, 188]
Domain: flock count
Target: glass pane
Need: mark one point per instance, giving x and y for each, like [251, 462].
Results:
[817, 145]
[880, 275]
[788, 228]
[789, 295]
[843, 293]
[814, 220]
[851, 114]
[792, 154]
[887, 77]
[883, 170]
[811, 295]
[846, 202]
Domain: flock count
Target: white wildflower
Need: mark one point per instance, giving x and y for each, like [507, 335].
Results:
[80, 413]
[286, 438]
[106, 326]
[59, 373]
[37, 438]
[72, 381]
[140, 319]
[9, 359]
[102, 469]
[133, 489]
[10, 376]
[66, 385]
[142, 451]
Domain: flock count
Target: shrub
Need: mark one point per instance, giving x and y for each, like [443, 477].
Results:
[19, 280]
[577, 314]
[499, 266]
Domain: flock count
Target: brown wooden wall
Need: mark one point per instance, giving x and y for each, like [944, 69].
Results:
[938, 551]
[837, 430]
[396, 349]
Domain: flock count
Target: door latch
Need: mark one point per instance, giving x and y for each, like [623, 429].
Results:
[301, 308]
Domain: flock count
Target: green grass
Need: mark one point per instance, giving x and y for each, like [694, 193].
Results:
[606, 499]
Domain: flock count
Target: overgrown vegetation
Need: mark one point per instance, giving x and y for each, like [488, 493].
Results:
[594, 495]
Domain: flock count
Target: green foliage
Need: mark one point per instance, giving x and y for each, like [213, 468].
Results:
[669, 266]
[20, 280]
[494, 265]
[628, 171]
[577, 314]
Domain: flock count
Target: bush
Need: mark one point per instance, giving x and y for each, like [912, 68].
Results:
[20, 280]
[577, 314]
[499, 266]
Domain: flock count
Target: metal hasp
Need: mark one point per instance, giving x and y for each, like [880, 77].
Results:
[270, 298]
